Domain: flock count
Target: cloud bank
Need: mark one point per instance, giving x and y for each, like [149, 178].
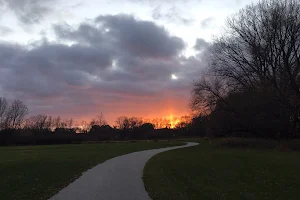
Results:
[116, 64]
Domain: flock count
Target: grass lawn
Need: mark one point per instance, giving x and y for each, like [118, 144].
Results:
[209, 172]
[38, 172]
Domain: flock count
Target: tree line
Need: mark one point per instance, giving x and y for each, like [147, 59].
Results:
[251, 87]
[18, 128]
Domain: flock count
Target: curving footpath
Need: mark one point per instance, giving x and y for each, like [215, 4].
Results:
[119, 178]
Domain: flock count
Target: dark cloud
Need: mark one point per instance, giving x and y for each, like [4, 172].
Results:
[124, 33]
[84, 34]
[141, 38]
[113, 61]
[201, 44]
[29, 11]
[89, 59]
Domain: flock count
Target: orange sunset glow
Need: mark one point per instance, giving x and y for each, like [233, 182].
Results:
[149, 99]
[148, 108]
[119, 65]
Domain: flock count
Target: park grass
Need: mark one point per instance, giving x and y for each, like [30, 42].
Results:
[38, 172]
[209, 172]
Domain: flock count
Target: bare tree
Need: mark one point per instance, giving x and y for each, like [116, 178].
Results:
[183, 122]
[135, 122]
[158, 123]
[207, 92]
[41, 122]
[99, 120]
[161, 123]
[49, 123]
[3, 108]
[15, 114]
[259, 55]
[85, 126]
[57, 122]
[38, 122]
[263, 49]
[186, 119]
[63, 124]
[260, 51]
[69, 123]
[123, 123]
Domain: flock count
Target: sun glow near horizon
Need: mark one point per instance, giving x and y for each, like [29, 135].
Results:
[174, 120]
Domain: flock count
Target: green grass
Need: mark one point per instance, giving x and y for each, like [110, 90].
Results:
[209, 172]
[38, 172]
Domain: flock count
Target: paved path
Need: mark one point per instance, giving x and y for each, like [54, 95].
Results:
[119, 178]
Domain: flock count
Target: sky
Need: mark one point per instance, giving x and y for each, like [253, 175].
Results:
[75, 58]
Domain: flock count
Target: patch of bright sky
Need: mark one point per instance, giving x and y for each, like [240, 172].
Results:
[174, 77]
[74, 12]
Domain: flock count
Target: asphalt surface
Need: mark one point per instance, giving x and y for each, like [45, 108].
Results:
[119, 178]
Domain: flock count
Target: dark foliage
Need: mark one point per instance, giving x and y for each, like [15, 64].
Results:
[97, 133]
[252, 85]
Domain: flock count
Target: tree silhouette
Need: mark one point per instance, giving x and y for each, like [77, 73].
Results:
[15, 114]
[258, 55]
[3, 108]
[99, 120]
[38, 122]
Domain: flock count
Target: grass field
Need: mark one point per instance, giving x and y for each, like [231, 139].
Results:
[210, 172]
[38, 172]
